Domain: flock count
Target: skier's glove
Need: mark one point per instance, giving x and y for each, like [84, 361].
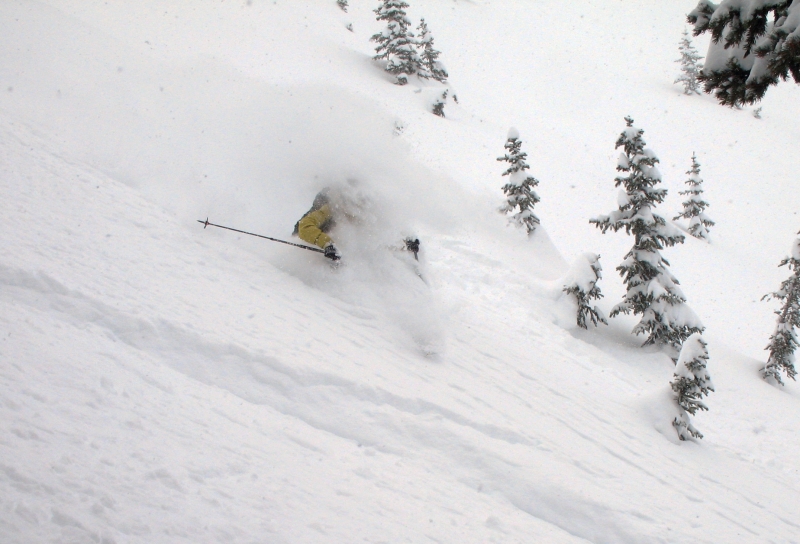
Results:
[412, 246]
[331, 253]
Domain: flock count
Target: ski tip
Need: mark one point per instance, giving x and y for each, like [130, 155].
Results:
[205, 223]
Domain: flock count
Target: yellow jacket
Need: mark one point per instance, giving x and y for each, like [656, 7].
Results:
[313, 224]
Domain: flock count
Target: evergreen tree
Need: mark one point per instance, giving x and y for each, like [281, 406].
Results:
[690, 383]
[754, 44]
[342, 4]
[784, 341]
[519, 189]
[694, 208]
[582, 284]
[438, 105]
[689, 65]
[395, 43]
[430, 67]
[652, 291]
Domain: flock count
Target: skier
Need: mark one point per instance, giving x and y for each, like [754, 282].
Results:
[330, 205]
[314, 226]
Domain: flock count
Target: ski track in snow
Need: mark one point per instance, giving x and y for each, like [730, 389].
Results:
[164, 383]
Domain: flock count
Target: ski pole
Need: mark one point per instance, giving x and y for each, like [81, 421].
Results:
[206, 224]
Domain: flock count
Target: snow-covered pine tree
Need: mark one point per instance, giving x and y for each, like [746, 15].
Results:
[342, 4]
[652, 291]
[582, 284]
[690, 383]
[694, 208]
[396, 43]
[754, 44]
[519, 189]
[689, 65]
[431, 67]
[439, 103]
[784, 341]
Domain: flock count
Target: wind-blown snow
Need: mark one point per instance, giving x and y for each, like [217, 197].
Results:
[166, 383]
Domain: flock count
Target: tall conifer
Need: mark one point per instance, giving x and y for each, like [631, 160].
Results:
[430, 67]
[783, 341]
[519, 188]
[754, 45]
[395, 42]
[652, 291]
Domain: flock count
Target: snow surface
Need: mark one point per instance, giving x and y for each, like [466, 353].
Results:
[165, 383]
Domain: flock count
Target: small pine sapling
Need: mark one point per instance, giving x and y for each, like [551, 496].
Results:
[430, 67]
[439, 103]
[519, 189]
[689, 66]
[395, 43]
[691, 383]
[582, 284]
[783, 341]
[342, 4]
[652, 291]
[694, 207]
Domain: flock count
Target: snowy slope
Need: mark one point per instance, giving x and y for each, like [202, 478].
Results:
[165, 383]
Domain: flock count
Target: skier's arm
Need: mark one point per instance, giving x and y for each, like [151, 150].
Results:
[309, 227]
